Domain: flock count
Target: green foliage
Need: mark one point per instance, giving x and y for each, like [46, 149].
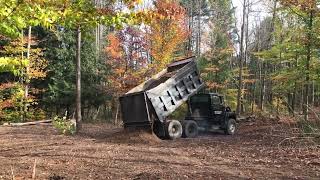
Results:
[60, 50]
[54, 23]
[85, 14]
[216, 71]
[180, 113]
[215, 65]
[35, 114]
[11, 102]
[64, 125]
[309, 128]
[13, 65]
[287, 43]
[231, 98]
[16, 15]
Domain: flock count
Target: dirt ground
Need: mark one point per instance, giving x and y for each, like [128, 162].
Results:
[259, 150]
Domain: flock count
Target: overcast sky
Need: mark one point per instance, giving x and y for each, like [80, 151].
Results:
[259, 10]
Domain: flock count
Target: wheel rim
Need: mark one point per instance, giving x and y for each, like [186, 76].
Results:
[232, 128]
[174, 132]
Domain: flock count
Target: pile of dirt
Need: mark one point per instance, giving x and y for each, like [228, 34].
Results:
[118, 135]
[158, 81]
[134, 137]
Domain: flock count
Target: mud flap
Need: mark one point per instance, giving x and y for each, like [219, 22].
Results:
[159, 129]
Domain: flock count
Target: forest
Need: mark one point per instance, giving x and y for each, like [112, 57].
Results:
[72, 60]
[262, 63]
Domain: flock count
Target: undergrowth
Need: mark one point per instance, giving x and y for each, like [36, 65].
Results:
[64, 126]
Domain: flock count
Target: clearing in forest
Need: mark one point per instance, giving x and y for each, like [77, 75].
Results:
[259, 150]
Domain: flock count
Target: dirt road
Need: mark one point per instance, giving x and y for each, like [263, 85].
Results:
[258, 151]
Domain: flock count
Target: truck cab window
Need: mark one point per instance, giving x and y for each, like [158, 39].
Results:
[215, 100]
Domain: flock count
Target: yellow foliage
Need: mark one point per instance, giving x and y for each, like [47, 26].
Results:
[212, 69]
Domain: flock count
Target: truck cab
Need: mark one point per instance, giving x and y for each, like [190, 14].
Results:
[207, 111]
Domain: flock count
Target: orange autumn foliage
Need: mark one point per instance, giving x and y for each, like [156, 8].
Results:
[5, 103]
[129, 50]
[168, 31]
[114, 47]
[128, 66]
[304, 5]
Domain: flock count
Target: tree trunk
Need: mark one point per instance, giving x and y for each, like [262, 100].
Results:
[78, 81]
[309, 44]
[26, 88]
[301, 98]
[293, 102]
[312, 95]
[246, 57]
[246, 36]
[253, 97]
[271, 68]
[239, 96]
[191, 27]
[117, 114]
[199, 29]
[289, 103]
[263, 86]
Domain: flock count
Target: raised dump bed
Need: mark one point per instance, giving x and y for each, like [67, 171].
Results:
[149, 104]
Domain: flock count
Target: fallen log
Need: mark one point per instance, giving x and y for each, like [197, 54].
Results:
[246, 118]
[27, 123]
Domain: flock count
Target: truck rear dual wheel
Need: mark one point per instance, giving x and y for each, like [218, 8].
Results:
[173, 129]
[190, 129]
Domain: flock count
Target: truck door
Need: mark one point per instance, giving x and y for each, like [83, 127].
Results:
[198, 105]
[218, 109]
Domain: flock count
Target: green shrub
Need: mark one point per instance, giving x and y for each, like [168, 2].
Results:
[309, 127]
[11, 116]
[180, 112]
[35, 114]
[64, 125]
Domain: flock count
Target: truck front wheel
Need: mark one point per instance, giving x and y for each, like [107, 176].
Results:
[231, 127]
[173, 129]
[190, 129]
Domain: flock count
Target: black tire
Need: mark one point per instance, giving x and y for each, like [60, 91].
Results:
[173, 129]
[231, 127]
[190, 129]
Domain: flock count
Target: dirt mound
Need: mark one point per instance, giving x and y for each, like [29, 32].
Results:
[113, 134]
[134, 137]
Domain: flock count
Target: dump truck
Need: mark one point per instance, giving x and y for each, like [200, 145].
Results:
[148, 105]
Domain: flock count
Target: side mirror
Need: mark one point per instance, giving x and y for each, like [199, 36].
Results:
[228, 109]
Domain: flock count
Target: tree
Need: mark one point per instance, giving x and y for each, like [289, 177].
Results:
[82, 15]
[20, 71]
[62, 14]
[241, 58]
[167, 32]
[127, 58]
[306, 9]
